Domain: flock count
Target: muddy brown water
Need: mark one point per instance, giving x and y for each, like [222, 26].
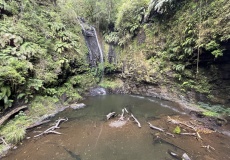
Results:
[87, 136]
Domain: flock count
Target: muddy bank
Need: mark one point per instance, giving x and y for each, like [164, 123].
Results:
[211, 146]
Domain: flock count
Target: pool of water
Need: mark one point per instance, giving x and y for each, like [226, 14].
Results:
[88, 136]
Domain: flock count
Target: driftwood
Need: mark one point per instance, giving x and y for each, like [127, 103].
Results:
[208, 148]
[52, 129]
[122, 115]
[111, 114]
[188, 134]
[156, 128]
[37, 124]
[160, 129]
[126, 110]
[185, 124]
[3, 141]
[8, 115]
[138, 123]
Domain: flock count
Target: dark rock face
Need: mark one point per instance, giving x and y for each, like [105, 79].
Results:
[95, 54]
[112, 55]
[91, 42]
[218, 73]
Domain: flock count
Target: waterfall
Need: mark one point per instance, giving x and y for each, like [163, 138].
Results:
[95, 55]
[99, 46]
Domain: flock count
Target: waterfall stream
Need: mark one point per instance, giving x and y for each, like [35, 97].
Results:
[99, 46]
[95, 55]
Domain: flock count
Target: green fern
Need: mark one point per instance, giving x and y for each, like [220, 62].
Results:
[4, 95]
[179, 67]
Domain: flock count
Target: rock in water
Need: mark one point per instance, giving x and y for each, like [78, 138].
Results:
[77, 105]
[97, 91]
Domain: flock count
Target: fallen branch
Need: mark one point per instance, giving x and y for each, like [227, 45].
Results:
[111, 114]
[8, 115]
[208, 148]
[126, 110]
[3, 141]
[156, 128]
[51, 129]
[188, 134]
[180, 123]
[160, 129]
[198, 135]
[138, 123]
[55, 132]
[122, 115]
[185, 124]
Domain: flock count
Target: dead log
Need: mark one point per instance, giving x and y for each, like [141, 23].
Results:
[51, 129]
[126, 110]
[208, 148]
[180, 123]
[37, 124]
[8, 115]
[138, 123]
[188, 134]
[111, 114]
[3, 141]
[185, 124]
[156, 128]
[160, 129]
[198, 135]
[122, 115]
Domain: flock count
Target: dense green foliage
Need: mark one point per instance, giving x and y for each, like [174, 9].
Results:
[40, 49]
[159, 42]
[176, 34]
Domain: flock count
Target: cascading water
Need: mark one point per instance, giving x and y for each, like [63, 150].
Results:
[99, 46]
[93, 45]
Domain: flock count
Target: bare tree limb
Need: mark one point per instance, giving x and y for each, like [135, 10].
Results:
[160, 129]
[51, 129]
[111, 114]
[126, 110]
[8, 115]
[138, 123]
[122, 115]
[188, 134]
[156, 128]
[208, 148]
[3, 141]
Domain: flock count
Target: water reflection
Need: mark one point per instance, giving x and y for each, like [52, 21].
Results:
[88, 136]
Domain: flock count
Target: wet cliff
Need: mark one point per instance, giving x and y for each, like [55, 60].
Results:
[182, 55]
